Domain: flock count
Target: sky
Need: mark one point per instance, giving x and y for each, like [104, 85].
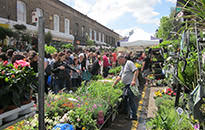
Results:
[123, 16]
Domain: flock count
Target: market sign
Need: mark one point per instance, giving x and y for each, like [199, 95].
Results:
[178, 9]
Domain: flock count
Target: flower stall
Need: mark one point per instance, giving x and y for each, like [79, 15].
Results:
[87, 109]
[15, 91]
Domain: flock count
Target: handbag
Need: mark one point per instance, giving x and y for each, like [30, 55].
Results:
[135, 90]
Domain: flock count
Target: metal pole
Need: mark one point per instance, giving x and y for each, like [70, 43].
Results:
[197, 44]
[41, 42]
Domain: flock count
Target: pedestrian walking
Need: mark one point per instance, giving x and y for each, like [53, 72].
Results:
[129, 76]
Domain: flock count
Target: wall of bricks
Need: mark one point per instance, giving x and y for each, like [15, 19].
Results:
[8, 10]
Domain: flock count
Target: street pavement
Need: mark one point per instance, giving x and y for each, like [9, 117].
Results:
[121, 123]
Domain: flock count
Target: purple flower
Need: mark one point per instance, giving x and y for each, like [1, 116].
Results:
[196, 126]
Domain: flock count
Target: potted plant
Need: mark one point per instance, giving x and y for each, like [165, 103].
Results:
[15, 80]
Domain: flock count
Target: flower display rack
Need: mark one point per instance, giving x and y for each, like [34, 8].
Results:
[13, 116]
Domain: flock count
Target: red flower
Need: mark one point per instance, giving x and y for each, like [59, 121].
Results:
[5, 63]
[174, 94]
[12, 76]
[169, 89]
[169, 94]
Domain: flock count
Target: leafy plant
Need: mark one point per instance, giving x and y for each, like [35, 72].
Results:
[16, 80]
[50, 49]
[68, 46]
[115, 70]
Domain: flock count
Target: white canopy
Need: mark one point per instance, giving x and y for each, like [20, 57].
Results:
[138, 43]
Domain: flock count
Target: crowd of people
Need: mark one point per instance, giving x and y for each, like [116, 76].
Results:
[66, 69]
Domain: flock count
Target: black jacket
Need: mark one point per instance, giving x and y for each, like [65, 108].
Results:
[62, 74]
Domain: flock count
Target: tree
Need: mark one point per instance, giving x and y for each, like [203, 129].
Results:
[168, 26]
[165, 28]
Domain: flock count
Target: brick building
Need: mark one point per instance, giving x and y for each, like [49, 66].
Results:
[65, 23]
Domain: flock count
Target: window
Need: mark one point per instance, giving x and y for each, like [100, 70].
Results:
[67, 26]
[76, 29]
[83, 29]
[99, 36]
[90, 34]
[21, 12]
[94, 35]
[103, 38]
[56, 23]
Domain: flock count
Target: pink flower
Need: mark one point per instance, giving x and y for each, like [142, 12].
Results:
[174, 94]
[22, 63]
[169, 94]
[5, 63]
[95, 106]
[78, 119]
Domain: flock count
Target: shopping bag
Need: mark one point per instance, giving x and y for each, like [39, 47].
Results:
[63, 127]
[135, 90]
[86, 75]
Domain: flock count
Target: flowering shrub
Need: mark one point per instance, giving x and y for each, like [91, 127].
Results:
[162, 92]
[15, 82]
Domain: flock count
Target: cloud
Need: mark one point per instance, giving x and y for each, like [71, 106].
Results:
[139, 34]
[105, 12]
[172, 1]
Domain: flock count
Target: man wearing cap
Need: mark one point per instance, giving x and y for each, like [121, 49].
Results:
[128, 75]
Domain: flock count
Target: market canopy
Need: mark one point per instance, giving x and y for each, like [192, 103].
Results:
[140, 43]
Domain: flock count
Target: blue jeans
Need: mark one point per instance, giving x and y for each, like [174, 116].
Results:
[130, 102]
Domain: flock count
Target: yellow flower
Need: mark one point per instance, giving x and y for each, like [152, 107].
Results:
[86, 103]
[83, 128]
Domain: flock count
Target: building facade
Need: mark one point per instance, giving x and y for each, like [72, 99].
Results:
[65, 23]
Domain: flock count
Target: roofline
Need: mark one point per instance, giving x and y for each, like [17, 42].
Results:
[85, 16]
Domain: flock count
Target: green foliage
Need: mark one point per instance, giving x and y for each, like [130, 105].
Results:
[68, 46]
[82, 118]
[4, 32]
[48, 37]
[195, 10]
[50, 49]
[189, 76]
[97, 77]
[90, 42]
[115, 70]
[167, 118]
